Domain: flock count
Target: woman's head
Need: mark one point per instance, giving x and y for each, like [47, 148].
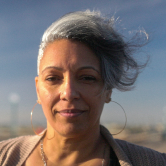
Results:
[69, 87]
[81, 59]
[118, 68]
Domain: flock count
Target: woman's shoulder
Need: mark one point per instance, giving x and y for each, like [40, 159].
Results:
[142, 154]
[18, 142]
[132, 154]
[133, 147]
[16, 150]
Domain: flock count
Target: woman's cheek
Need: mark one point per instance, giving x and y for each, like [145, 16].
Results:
[45, 91]
[49, 98]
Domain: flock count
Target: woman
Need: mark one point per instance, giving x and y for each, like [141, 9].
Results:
[81, 59]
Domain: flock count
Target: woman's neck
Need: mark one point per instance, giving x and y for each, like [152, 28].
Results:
[72, 150]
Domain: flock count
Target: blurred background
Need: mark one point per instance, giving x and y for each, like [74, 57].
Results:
[22, 24]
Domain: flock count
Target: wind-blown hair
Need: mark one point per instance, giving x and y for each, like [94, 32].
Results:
[118, 67]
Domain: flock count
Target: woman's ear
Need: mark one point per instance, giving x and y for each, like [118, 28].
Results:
[108, 96]
[37, 89]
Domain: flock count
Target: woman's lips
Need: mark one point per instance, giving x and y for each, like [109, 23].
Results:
[70, 113]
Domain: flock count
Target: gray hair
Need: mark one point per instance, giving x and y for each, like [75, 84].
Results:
[118, 67]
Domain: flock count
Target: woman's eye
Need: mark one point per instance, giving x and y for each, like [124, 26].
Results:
[54, 78]
[88, 78]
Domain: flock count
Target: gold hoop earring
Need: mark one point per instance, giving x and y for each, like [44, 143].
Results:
[125, 118]
[32, 124]
[31, 120]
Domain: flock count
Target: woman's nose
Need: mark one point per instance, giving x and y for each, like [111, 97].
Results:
[69, 90]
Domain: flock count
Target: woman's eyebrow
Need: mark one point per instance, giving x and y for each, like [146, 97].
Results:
[89, 67]
[81, 68]
[52, 67]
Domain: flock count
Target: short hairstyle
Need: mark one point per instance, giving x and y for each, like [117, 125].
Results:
[119, 69]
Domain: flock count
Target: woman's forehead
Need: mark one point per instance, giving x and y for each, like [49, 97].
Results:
[68, 54]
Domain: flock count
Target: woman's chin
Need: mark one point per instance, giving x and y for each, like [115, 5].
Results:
[71, 130]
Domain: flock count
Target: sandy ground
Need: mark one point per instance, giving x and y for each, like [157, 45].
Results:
[151, 140]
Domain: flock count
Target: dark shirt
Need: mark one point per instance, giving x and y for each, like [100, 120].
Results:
[113, 159]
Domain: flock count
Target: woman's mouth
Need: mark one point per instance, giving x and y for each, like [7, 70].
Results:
[70, 113]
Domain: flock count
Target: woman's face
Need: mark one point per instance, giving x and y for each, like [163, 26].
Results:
[70, 88]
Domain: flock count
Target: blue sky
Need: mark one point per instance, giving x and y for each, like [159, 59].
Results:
[22, 24]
